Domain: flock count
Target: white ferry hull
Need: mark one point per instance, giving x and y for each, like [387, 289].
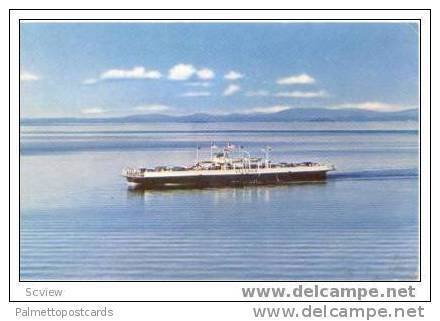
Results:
[218, 178]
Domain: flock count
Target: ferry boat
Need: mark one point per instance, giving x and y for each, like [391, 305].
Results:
[231, 166]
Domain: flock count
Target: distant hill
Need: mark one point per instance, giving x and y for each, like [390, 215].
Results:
[295, 114]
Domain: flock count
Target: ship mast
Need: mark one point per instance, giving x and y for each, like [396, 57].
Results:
[267, 155]
[213, 146]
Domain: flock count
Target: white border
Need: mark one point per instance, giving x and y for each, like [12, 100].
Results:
[206, 291]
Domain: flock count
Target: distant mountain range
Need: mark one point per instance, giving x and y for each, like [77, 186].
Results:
[295, 114]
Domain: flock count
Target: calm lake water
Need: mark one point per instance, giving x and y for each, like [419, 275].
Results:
[79, 221]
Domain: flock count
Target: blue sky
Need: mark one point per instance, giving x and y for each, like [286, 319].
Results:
[113, 69]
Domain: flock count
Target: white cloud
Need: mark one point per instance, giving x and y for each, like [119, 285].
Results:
[27, 76]
[231, 90]
[152, 108]
[177, 72]
[269, 109]
[135, 73]
[196, 94]
[257, 93]
[205, 74]
[93, 111]
[296, 79]
[373, 105]
[181, 72]
[198, 84]
[233, 75]
[186, 71]
[120, 74]
[90, 81]
[302, 94]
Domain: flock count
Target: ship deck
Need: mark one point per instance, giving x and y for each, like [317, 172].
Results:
[228, 177]
[226, 172]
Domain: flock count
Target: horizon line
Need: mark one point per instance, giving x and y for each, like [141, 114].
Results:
[104, 116]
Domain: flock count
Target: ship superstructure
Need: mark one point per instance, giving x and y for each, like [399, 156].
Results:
[231, 166]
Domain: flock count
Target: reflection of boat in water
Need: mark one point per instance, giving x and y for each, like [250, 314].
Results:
[231, 167]
[136, 191]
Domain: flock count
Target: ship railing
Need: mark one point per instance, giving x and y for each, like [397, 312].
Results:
[133, 172]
